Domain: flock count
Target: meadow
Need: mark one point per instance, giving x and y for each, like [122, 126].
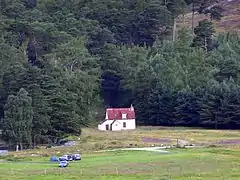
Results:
[214, 161]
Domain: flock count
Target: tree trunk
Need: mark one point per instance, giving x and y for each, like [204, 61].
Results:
[205, 44]
[216, 123]
[183, 19]
[193, 18]
[21, 146]
[17, 147]
[165, 2]
[174, 29]
[33, 144]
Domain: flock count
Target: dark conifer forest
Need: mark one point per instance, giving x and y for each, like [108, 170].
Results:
[62, 62]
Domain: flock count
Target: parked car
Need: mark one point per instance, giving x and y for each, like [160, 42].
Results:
[76, 157]
[63, 158]
[54, 159]
[63, 164]
[68, 157]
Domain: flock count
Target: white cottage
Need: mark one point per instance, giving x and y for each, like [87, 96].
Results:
[118, 119]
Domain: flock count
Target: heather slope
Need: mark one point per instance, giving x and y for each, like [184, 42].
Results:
[230, 21]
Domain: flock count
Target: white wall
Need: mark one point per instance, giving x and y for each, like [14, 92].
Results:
[118, 125]
[102, 127]
[130, 124]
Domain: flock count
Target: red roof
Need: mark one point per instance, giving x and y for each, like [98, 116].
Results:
[116, 113]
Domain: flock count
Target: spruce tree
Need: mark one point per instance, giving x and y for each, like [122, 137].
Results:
[62, 103]
[31, 81]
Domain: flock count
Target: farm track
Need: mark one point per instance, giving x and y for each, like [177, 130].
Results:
[153, 149]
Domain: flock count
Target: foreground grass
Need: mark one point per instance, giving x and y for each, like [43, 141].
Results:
[207, 163]
[221, 162]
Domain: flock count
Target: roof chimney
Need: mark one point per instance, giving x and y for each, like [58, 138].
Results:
[132, 109]
[106, 117]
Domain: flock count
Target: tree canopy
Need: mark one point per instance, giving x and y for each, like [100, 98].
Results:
[64, 61]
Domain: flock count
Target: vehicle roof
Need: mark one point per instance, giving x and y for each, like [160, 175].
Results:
[63, 161]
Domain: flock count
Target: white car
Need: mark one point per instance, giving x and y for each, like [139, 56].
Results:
[63, 158]
[76, 157]
[68, 157]
[63, 164]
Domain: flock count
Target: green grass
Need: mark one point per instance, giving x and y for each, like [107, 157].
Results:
[180, 164]
[220, 162]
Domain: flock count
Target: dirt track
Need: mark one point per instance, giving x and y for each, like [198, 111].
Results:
[183, 142]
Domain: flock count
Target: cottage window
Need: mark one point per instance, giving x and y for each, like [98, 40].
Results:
[124, 116]
[107, 127]
[124, 124]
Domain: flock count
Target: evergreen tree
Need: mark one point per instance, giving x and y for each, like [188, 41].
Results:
[211, 7]
[161, 107]
[205, 7]
[17, 122]
[176, 7]
[204, 35]
[75, 58]
[152, 24]
[187, 109]
[145, 81]
[79, 72]
[30, 3]
[63, 118]
[41, 109]
[97, 39]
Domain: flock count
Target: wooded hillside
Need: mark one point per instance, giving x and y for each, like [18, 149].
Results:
[64, 61]
[228, 23]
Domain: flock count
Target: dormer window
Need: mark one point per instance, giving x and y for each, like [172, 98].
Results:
[124, 116]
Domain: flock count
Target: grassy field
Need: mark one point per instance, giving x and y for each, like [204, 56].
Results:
[208, 163]
[218, 160]
[93, 140]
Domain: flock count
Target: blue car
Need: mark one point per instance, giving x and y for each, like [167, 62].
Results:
[63, 164]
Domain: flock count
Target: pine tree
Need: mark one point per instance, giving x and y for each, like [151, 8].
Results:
[98, 39]
[17, 122]
[204, 35]
[64, 120]
[41, 118]
[187, 109]
[30, 3]
[153, 23]
[63, 117]
[161, 107]
[176, 7]
[195, 4]
[142, 87]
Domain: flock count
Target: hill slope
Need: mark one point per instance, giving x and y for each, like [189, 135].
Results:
[230, 21]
